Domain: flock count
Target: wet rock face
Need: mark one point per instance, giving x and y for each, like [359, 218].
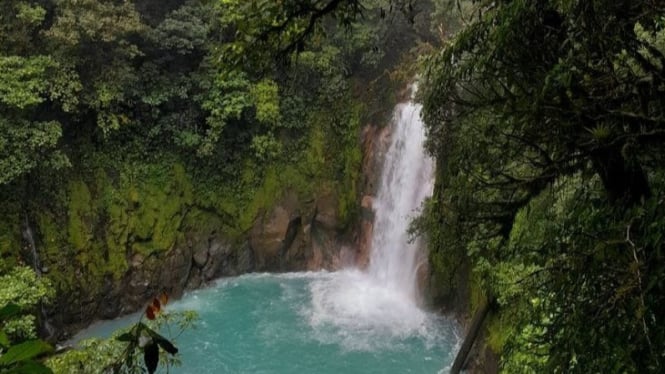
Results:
[297, 235]
[294, 234]
[376, 141]
[268, 236]
[200, 259]
[325, 216]
[366, 231]
[291, 236]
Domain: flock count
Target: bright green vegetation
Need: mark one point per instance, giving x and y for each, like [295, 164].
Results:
[21, 357]
[123, 124]
[24, 290]
[547, 119]
[21, 295]
[129, 129]
[123, 353]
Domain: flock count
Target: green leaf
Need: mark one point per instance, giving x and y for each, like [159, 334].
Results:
[162, 341]
[30, 367]
[166, 345]
[126, 337]
[151, 357]
[4, 340]
[25, 351]
[159, 339]
[9, 311]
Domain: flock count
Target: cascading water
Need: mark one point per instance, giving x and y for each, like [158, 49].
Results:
[381, 301]
[349, 321]
[29, 238]
[406, 181]
[45, 327]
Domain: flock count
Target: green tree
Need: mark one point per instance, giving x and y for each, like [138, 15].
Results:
[20, 357]
[96, 37]
[563, 98]
[25, 290]
[28, 80]
[21, 293]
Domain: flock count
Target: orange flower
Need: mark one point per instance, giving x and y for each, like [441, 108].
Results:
[156, 305]
[153, 309]
[164, 298]
[150, 312]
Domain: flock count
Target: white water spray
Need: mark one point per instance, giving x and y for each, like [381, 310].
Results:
[407, 179]
[29, 237]
[370, 308]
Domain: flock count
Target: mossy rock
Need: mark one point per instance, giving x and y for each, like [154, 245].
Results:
[80, 213]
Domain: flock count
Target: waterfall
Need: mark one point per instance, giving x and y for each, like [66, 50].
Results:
[378, 305]
[406, 180]
[45, 327]
[29, 238]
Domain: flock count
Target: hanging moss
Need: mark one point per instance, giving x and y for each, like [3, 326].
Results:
[158, 202]
[80, 213]
[350, 163]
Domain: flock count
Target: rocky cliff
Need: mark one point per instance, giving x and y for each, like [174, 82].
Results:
[111, 235]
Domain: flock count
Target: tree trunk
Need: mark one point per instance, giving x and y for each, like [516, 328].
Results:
[471, 336]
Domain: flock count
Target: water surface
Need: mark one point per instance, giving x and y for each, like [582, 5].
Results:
[306, 323]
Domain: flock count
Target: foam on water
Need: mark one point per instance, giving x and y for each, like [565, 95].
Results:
[362, 312]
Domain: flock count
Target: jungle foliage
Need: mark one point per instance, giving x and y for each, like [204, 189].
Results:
[116, 117]
[134, 350]
[123, 122]
[21, 296]
[547, 120]
[184, 75]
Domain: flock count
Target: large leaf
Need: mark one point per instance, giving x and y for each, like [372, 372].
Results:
[167, 345]
[9, 311]
[151, 357]
[162, 341]
[4, 339]
[126, 337]
[25, 351]
[30, 367]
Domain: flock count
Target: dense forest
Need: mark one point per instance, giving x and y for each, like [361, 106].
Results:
[546, 118]
[156, 145]
[150, 146]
